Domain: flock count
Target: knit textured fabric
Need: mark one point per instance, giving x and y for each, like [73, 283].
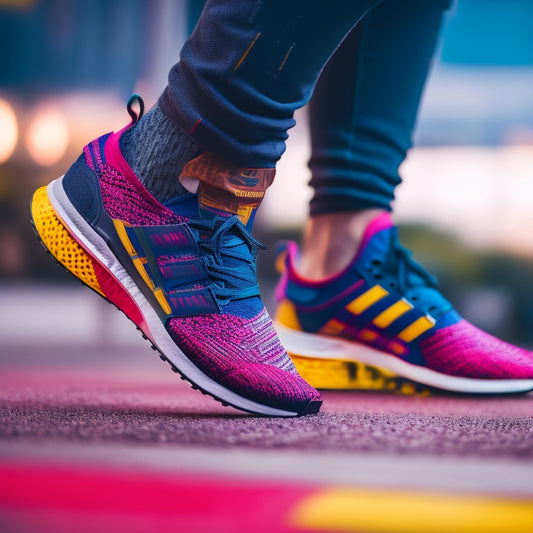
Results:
[466, 351]
[237, 347]
[157, 150]
[129, 201]
[243, 355]
[387, 302]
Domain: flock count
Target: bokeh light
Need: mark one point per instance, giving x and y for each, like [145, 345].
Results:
[47, 136]
[8, 131]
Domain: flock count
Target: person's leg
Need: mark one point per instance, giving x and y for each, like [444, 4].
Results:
[181, 264]
[355, 296]
[242, 73]
[248, 66]
[362, 117]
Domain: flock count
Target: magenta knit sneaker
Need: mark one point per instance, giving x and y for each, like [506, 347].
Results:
[385, 311]
[184, 272]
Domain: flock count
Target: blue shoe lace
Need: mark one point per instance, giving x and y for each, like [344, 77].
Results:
[229, 252]
[398, 270]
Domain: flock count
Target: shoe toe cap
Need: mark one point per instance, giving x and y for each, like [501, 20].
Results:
[273, 386]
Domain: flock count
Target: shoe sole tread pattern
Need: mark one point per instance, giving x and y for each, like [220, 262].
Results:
[328, 352]
[73, 244]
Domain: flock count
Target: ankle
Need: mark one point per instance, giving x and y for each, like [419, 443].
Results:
[331, 241]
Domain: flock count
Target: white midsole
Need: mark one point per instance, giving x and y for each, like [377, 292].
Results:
[156, 332]
[313, 346]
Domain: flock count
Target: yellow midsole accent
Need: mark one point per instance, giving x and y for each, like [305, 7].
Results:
[416, 329]
[59, 241]
[374, 511]
[336, 374]
[368, 298]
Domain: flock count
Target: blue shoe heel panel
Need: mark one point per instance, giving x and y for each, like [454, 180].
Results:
[82, 188]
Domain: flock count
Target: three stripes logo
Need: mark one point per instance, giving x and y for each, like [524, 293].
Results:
[384, 318]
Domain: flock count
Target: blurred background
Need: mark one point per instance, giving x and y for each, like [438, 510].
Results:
[68, 67]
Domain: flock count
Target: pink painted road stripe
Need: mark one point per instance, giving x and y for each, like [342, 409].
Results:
[57, 499]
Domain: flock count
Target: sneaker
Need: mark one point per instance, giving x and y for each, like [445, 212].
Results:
[183, 272]
[383, 316]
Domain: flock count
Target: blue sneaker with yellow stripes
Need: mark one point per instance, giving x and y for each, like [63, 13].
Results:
[382, 323]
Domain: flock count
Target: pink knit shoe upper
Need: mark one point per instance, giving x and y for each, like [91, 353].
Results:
[236, 346]
[244, 355]
[124, 196]
[466, 351]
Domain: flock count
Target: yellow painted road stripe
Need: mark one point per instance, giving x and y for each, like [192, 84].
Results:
[373, 511]
[368, 298]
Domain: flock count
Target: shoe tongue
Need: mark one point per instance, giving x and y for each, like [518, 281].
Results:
[224, 189]
[188, 205]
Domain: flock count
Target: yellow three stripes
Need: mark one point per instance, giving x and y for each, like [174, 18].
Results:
[389, 315]
[139, 263]
[368, 298]
[416, 329]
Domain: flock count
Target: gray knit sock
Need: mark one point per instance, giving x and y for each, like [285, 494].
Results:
[157, 149]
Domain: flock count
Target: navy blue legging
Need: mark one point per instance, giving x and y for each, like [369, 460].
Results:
[364, 107]
[249, 65]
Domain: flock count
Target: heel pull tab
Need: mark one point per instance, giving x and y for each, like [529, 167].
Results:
[134, 117]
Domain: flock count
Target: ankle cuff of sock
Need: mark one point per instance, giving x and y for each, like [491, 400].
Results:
[156, 148]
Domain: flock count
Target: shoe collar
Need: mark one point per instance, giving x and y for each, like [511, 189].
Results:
[380, 223]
